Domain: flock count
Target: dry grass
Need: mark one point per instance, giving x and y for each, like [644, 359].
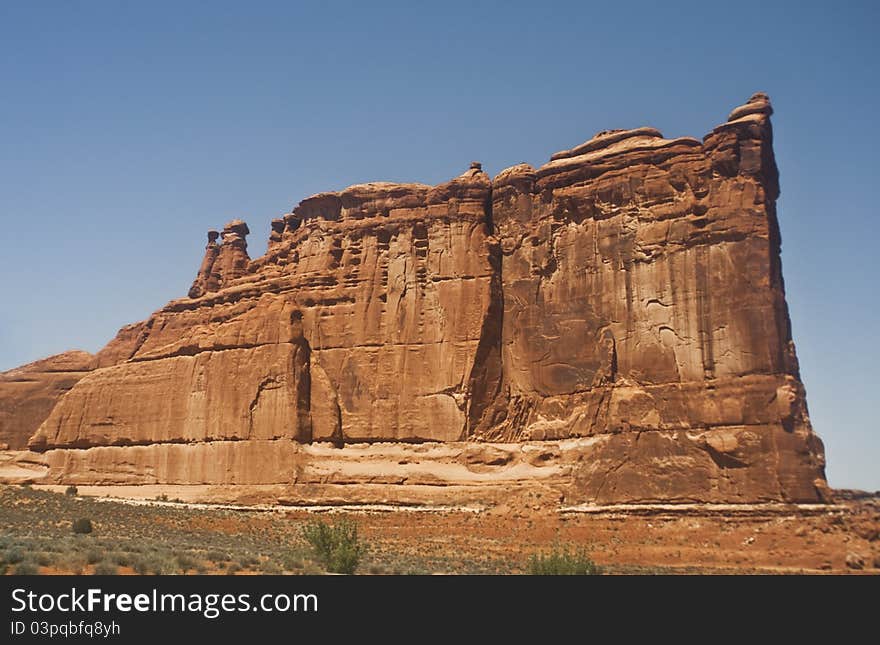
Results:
[36, 532]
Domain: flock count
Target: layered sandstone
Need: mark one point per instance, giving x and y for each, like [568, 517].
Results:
[623, 303]
[28, 393]
[643, 297]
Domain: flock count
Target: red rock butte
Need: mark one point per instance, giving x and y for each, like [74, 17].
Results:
[610, 327]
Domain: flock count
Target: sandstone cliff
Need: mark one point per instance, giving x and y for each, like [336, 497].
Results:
[28, 394]
[628, 292]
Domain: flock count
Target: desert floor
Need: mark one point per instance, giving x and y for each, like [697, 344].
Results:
[167, 536]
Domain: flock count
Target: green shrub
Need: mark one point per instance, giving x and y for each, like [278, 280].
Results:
[561, 562]
[27, 568]
[73, 562]
[336, 547]
[94, 556]
[44, 559]
[270, 567]
[186, 562]
[14, 555]
[82, 526]
[72, 491]
[218, 556]
[106, 569]
[154, 564]
[121, 558]
[163, 566]
[248, 561]
[292, 561]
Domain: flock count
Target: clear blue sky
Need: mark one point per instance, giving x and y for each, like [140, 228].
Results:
[127, 129]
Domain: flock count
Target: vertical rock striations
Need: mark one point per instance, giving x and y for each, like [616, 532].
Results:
[643, 302]
[390, 285]
[628, 292]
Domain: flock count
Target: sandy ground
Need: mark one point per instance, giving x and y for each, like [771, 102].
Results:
[688, 540]
[843, 537]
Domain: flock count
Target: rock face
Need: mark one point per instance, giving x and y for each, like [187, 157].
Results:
[392, 287]
[208, 278]
[28, 393]
[222, 263]
[629, 292]
[643, 297]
